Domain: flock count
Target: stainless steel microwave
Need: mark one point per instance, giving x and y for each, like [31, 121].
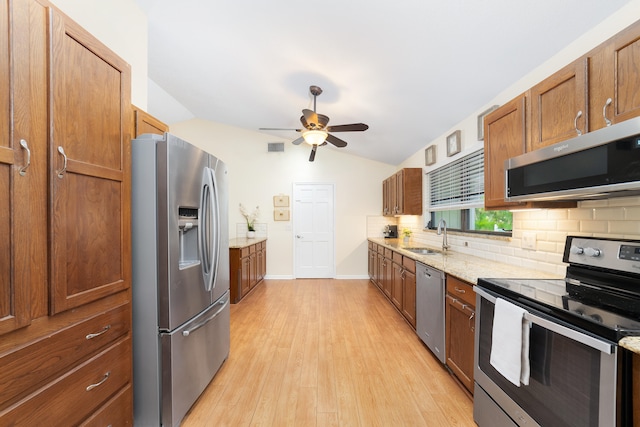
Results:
[601, 164]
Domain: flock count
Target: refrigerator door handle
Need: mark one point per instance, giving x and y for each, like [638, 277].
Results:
[209, 237]
[188, 332]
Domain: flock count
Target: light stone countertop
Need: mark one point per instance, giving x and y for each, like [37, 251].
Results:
[243, 242]
[631, 343]
[470, 268]
[463, 266]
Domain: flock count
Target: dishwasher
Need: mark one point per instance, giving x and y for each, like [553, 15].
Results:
[430, 308]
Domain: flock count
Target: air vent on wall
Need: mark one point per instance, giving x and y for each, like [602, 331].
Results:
[276, 147]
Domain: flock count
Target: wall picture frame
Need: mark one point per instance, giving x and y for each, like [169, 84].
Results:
[481, 121]
[280, 201]
[430, 155]
[280, 214]
[453, 143]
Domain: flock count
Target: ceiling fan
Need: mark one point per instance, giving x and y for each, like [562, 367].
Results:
[315, 131]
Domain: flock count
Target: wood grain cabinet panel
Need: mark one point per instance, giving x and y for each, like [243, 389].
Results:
[75, 396]
[460, 329]
[65, 268]
[144, 122]
[402, 193]
[248, 268]
[614, 79]
[15, 187]
[559, 108]
[90, 89]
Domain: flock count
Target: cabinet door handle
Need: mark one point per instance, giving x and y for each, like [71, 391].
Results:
[460, 291]
[97, 334]
[99, 383]
[64, 165]
[575, 123]
[23, 170]
[604, 111]
[472, 324]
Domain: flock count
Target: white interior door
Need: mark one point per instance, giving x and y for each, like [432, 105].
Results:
[313, 230]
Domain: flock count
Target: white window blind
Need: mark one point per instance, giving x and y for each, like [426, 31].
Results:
[458, 185]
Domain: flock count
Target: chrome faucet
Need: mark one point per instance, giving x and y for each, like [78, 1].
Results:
[443, 225]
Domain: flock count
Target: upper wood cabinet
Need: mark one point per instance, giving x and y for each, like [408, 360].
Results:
[15, 176]
[402, 193]
[144, 122]
[559, 107]
[65, 251]
[504, 137]
[614, 79]
[90, 176]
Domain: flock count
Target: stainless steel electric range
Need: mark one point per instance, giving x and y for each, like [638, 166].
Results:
[579, 376]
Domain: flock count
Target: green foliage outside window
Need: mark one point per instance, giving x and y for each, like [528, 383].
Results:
[493, 220]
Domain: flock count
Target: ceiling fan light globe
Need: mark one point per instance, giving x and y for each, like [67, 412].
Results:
[314, 137]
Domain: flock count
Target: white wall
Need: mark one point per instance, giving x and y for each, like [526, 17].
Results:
[122, 26]
[256, 176]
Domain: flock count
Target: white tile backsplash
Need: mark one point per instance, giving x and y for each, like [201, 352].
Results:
[614, 218]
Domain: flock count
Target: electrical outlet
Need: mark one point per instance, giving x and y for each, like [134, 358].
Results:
[529, 240]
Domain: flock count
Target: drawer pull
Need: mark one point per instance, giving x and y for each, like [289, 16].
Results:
[97, 334]
[460, 291]
[99, 383]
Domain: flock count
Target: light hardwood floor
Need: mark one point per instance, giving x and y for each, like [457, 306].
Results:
[327, 353]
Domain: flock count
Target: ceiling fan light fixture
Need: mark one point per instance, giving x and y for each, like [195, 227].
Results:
[314, 137]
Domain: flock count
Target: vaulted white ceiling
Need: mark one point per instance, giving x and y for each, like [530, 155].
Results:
[410, 69]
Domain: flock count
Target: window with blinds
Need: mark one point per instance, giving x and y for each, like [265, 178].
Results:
[458, 185]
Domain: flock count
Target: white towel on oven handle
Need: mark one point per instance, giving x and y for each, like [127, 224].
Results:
[510, 342]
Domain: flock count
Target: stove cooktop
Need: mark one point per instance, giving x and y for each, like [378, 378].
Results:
[550, 297]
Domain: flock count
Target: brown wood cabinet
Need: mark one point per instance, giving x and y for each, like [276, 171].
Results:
[402, 193]
[614, 79]
[248, 267]
[144, 122]
[65, 266]
[460, 329]
[395, 275]
[559, 108]
[409, 290]
[504, 137]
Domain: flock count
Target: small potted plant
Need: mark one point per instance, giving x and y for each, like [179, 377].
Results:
[251, 220]
[406, 234]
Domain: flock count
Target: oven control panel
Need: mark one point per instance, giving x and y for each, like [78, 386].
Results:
[620, 255]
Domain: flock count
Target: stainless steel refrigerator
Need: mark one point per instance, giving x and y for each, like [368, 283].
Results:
[180, 276]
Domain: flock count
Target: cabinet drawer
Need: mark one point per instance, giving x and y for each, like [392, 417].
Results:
[252, 249]
[461, 290]
[380, 249]
[397, 258]
[244, 252]
[118, 411]
[34, 364]
[77, 394]
[387, 253]
[409, 264]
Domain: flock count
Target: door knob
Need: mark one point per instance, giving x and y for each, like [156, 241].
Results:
[298, 236]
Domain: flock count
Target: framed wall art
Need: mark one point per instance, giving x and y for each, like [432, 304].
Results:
[453, 143]
[481, 121]
[430, 155]
[280, 201]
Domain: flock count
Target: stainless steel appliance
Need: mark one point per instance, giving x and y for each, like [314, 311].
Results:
[180, 301]
[430, 291]
[579, 376]
[600, 164]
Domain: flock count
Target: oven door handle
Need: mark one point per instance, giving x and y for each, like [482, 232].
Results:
[600, 345]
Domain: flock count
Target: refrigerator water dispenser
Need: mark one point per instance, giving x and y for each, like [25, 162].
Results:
[188, 229]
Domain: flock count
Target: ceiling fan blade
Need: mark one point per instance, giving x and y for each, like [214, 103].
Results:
[312, 156]
[310, 117]
[298, 141]
[297, 130]
[352, 127]
[336, 141]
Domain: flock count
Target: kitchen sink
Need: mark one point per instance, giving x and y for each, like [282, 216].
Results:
[422, 251]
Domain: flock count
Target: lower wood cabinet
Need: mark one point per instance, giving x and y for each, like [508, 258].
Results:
[248, 266]
[395, 276]
[460, 329]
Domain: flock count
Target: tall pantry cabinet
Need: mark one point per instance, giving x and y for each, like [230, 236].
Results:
[65, 251]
